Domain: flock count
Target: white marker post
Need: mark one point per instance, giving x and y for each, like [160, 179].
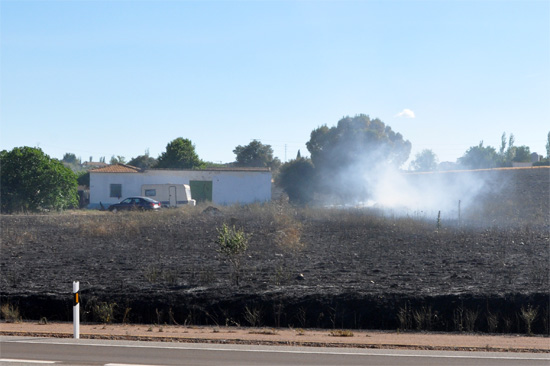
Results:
[76, 309]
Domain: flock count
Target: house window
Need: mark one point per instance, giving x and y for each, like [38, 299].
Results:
[116, 190]
[150, 192]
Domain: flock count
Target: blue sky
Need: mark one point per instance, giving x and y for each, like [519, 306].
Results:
[103, 78]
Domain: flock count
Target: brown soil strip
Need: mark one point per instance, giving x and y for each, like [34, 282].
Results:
[287, 337]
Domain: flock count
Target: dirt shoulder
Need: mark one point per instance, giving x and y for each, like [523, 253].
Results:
[296, 337]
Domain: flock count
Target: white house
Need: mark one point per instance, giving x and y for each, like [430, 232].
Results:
[224, 186]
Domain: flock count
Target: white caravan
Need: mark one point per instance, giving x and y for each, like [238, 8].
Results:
[169, 195]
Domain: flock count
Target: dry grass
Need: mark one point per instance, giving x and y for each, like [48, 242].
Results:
[16, 238]
[10, 313]
[288, 233]
[75, 212]
[264, 331]
[341, 333]
[529, 315]
[100, 226]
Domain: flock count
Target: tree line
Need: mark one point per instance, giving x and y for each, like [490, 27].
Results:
[31, 181]
[355, 148]
[180, 154]
[483, 157]
[359, 145]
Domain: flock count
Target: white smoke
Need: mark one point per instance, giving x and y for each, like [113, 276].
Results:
[357, 167]
[400, 193]
[424, 194]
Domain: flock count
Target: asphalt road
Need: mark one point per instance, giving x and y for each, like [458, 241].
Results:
[43, 351]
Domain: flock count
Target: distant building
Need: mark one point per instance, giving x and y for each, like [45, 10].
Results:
[223, 186]
[521, 165]
[535, 158]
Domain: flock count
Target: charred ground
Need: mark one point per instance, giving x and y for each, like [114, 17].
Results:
[305, 267]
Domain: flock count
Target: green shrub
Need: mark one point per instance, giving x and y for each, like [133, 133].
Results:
[104, 312]
[232, 243]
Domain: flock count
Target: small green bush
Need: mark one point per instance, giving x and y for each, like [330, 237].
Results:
[232, 243]
[104, 312]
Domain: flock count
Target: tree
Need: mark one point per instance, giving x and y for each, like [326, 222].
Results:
[213, 164]
[511, 151]
[425, 161]
[256, 154]
[117, 160]
[71, 161]
[296, 178]
[479, 157]
[32, 181]
[143, 161]
[522, 154]
[502, 151]
[548, 147]
[355, 147]
[512, 154]
[180, 154]
[83, 178]
[70, 158]
[502, 144]
[357, 139]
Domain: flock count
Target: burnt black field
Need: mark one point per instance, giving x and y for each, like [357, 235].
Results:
[304, 267]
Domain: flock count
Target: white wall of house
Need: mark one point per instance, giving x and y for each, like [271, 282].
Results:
[521, 165]
[228, 186]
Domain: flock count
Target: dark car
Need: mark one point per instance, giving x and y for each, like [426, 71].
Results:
[135, 203]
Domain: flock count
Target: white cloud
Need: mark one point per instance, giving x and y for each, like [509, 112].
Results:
[406, 113]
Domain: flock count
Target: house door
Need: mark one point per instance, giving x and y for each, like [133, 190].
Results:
[172, 194]
[201, 190]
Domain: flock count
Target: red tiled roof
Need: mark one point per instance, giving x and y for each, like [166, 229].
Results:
[117, 168]
[123, 168]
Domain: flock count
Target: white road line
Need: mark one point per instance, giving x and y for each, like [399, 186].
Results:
[342, 353]
[301, 351]
[25, 361]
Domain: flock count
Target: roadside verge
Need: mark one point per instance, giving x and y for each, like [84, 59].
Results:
[286, 336]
